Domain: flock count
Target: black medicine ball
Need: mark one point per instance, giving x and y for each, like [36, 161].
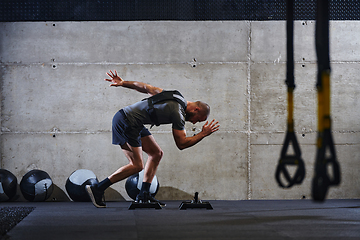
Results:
[75, 184]
[36, 186]
[134, 182]
[8, 185]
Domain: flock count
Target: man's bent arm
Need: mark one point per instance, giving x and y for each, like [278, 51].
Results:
[142, 87]
[182, 141]
[138, 86]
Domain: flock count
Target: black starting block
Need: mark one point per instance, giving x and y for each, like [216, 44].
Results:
[135, 205]
[196, 203]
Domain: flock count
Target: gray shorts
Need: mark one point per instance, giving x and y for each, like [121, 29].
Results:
[123, 132]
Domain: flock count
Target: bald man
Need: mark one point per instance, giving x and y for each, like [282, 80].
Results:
[129, 132]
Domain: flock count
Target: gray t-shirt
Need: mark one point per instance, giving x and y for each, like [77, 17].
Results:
[168, 112]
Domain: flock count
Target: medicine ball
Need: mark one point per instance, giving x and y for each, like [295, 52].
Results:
[75, 184]
[8, 185]
[134, 182]
[36, 186]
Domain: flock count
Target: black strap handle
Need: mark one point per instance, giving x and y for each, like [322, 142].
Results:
[322, 180]
[290, 160]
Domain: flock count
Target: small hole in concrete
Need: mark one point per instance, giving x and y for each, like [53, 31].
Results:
[54, 135]
[54, 25]
[53, 66]
[303, 65]
[303, 135]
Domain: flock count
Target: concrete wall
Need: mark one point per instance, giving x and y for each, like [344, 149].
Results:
[56, 109]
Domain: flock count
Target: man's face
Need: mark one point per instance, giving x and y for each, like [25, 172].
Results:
[195, 117]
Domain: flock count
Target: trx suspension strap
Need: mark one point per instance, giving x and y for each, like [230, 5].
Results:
[287, 159]
[325, 155]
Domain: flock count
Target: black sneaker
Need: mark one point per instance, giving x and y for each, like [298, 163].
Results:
[147, 198]
[96, 196]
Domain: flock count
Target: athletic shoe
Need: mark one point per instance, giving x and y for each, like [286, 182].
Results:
[96, 196]
[147, 198]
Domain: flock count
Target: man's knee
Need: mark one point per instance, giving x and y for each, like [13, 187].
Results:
[157, 155]
[138, 168]
[160, 154]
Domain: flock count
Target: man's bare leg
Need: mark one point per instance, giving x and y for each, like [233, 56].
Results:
[155, 154]
[136, 164]
[134, 155]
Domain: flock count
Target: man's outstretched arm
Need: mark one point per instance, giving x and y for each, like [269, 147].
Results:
[182, 141]
[138, 86]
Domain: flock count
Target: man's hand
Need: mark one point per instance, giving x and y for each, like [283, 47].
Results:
[211, 127]
[115, 79]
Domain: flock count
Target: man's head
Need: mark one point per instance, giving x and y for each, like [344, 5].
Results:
[197, 111]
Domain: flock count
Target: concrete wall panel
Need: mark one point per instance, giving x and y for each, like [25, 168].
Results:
[268, 41]
[344, 43]
[125, 42]
[269, 97]
[345, 102]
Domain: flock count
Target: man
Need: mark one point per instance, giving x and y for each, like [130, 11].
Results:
[130, 134]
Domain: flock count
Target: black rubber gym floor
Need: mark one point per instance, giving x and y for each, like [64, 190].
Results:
[249, 219]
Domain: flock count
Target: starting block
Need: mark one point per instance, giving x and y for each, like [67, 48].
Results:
[196, 203]
[135, 205]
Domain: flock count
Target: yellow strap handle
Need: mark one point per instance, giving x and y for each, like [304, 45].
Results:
[324, 120]
[290, 120]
